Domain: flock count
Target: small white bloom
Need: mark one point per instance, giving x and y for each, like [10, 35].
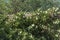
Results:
[28, 15]
[33, 25]
[20, 31]
[56, 35]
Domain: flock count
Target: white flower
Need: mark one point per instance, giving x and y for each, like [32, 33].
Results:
[56, 35]
[33, 25]
[28, 15]
[20, 31]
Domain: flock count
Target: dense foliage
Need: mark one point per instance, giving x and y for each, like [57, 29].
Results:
[29, 20]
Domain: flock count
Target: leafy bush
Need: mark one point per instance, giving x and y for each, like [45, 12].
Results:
[38, 25]
[29, 20]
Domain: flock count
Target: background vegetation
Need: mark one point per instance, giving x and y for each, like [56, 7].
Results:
[29, 20]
